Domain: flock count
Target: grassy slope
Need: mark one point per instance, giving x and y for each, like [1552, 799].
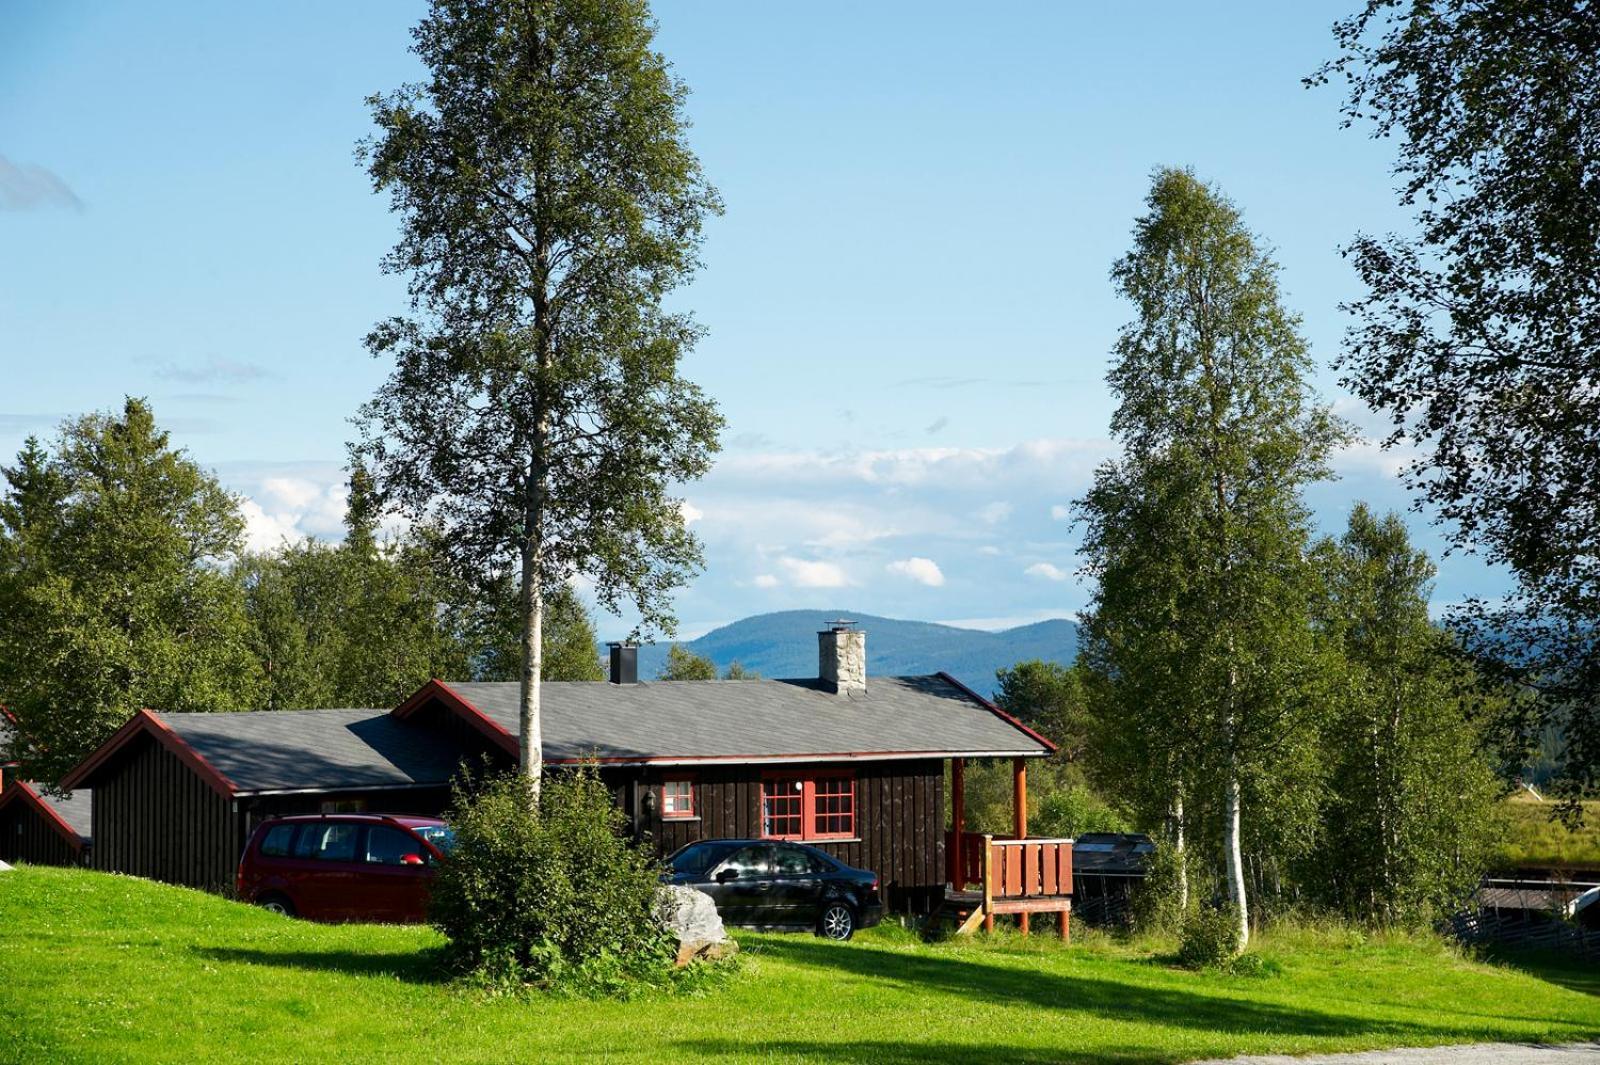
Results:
[1532, 839]
[101, 968]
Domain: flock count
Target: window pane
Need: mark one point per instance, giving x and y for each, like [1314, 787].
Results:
[792, 861]
[276, 843]
[328, 843]
[835, 809]
[677, 798]
[751, 863]
[782, 814]
[386, 846]
[698, 857]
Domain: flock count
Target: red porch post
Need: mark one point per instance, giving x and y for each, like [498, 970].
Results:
[1019, 805]
[958, 819]
[1019, 795]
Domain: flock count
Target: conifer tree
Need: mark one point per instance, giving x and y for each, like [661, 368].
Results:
[114, 589]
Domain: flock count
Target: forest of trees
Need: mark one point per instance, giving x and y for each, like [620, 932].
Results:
[124, 583]
[1278, 706]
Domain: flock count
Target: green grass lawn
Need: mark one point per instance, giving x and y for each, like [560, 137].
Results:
[1532, 839]
[102, 968]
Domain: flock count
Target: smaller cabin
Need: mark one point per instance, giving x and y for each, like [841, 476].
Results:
[43, 828]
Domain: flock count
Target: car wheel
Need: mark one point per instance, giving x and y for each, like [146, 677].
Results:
[838, 922]
[276, 904]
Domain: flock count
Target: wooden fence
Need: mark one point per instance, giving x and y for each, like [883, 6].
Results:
[1478, 927]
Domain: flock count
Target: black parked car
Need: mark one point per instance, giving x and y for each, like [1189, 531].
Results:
[762, 883]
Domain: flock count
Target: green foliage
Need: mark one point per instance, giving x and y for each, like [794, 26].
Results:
[738, 672]
[1476, 332]
[488, 617]
[684, 664]
[1208, 679]
[1409, 815]
[1071, 809]
[1531, 833]
[549, 203]
[1048, 698]
[1210, 937]
[114, 593]
[1158, 903]
[555, 896]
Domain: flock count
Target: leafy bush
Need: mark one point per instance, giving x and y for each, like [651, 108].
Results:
[1157, 902]
[559, 899]
[1210, 937]
[1072, 810]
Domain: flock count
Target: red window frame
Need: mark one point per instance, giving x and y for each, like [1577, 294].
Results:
[816, 805]
[668, 814]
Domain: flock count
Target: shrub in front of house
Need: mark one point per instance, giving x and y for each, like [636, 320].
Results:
[558, 898]
[1210, 937]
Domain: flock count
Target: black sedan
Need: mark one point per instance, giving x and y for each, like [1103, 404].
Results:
[769, 884]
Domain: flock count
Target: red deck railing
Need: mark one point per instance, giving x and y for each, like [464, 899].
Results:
[1020, 876]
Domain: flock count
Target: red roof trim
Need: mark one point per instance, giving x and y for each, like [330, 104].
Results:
[454, 702]
[44, 809]
[145, 721]
[996, 711]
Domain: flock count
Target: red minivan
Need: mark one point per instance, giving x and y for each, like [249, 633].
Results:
[344, 867]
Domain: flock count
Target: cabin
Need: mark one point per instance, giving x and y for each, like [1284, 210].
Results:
[856, 766]
[43, 828]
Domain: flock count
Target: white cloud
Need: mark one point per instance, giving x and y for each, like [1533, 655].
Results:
[995, 513]
[691, 513]
[989, 550]
[1046, 571]
[1368, 456]
[1067, 463]
[267, 532]
[766, 580]
[921, 570]
[810, 574]
[1058, 512]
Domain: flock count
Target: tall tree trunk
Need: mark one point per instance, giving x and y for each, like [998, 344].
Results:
[531, 748]
[1179, 850]
[1233, 852]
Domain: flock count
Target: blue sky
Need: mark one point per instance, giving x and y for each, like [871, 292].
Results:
[907, 298]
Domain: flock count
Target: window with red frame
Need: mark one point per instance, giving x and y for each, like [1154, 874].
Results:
[677, 798]
[809, 807]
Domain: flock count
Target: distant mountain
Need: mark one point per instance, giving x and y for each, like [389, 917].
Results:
[785, 645]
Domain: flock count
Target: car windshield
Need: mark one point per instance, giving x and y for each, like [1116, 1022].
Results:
[698, 857]
[440, 836]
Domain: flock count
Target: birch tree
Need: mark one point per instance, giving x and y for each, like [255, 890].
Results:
[1197, 534]
[536, 412]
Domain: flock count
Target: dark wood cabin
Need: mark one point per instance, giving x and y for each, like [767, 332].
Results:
[42, 828]
[853, 766]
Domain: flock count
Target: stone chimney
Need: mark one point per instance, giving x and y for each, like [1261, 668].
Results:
[842, 658]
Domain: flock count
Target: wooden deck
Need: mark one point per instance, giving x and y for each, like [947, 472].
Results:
[1010, 876]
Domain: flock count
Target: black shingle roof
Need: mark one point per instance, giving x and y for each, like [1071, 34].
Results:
[731, 719]
[323, 750]
[75, 808]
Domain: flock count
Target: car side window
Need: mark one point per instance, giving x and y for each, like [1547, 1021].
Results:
[792, 861]
[751, 863]
[333, 842]
[277, 841]
[388, 846]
